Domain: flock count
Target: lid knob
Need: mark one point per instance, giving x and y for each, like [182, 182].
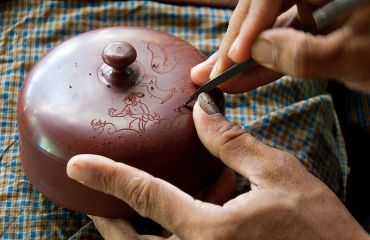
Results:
[119, 55]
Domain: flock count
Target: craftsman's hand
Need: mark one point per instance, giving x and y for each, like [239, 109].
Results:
[122, 229]
[343, 54]
[285, 200]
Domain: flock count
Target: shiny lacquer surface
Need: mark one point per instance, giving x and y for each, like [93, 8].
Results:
[114, 92]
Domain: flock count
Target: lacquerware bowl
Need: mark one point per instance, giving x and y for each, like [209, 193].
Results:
[115, 92]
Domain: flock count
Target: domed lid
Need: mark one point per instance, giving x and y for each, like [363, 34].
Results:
[114, 91]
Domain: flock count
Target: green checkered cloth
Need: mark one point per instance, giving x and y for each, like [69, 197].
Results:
[295, 116]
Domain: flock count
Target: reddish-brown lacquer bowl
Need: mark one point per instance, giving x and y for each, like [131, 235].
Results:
[114, 92]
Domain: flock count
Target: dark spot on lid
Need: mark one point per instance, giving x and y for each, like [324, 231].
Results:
[70, 86]
[90, 74]
[108, 86]
[152, 88]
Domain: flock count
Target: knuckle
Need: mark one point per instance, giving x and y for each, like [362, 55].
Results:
[232, 141]
[140, 191]
[301, 61]
[228, 132]
[107, 181]
[280, 163]
[284, 168]
[231, 33]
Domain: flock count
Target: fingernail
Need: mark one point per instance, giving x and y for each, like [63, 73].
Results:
[200, 65]
[214, 71]
[264, 52]
[208, 105]
[77, 173]
[233, 49]
[206, 64]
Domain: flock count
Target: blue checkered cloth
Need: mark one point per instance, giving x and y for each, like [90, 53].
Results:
[295, 116]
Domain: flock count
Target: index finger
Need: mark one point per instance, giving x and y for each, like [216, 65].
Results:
[262, 14]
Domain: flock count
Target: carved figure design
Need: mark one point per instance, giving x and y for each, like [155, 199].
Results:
[134, 118]
[130, 125]
[100, 126]
[135, 109]
[150, 83]
[162, 61]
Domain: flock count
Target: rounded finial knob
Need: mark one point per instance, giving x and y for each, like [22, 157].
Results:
[119, 55]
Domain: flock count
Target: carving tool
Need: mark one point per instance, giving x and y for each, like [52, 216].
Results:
[321, 19]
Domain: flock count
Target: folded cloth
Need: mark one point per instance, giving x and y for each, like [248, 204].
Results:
[296, 116]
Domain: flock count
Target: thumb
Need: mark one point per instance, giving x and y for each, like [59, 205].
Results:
[235, 147]
[151, 197]
[300, 54]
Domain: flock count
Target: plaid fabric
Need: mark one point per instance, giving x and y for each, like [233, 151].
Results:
[291, 115]
[359, 109]
[299, 118]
